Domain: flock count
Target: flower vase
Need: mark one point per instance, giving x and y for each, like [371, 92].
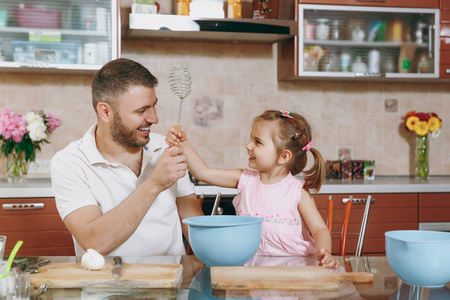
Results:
[421, 153]
[16, 167]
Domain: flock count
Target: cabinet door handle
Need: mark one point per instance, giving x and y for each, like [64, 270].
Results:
[357, 200]
[370, 75]
[430, 41]
[447, 71]
[37, 65]
[17, 206]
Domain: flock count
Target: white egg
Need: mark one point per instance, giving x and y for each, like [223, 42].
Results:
[92, 260]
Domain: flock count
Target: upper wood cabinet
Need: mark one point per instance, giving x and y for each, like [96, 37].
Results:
[361, 42]
[58, 35]
[383, 3]
[444, 65]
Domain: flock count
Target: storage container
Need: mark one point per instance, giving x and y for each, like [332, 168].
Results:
[38, 17]
[43, 52]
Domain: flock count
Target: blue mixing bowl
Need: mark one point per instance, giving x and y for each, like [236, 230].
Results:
[224, 240]
[419, 257]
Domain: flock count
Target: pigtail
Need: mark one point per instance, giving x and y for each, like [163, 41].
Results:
[294, 134]
[315, 176]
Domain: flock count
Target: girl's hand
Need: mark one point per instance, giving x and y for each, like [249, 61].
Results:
[326, 259]
[174, 137]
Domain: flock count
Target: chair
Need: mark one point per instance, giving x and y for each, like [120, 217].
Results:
[200, 201]
[344, 232]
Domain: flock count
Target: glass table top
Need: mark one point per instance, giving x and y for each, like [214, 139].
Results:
[196, 283]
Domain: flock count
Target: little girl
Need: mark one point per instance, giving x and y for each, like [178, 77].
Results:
[277, 151]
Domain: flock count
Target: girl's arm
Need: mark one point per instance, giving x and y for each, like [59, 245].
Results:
[198, 167]
[318, 229]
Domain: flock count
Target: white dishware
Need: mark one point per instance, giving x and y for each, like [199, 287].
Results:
[358, 34]
[359, 66]
[322, 29]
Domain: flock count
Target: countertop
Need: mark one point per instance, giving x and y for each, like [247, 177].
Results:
[41, 187]
[196, 285]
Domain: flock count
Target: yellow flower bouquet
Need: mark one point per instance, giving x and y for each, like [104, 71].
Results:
[422, 124]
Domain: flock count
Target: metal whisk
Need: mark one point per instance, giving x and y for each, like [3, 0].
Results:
[180, 84]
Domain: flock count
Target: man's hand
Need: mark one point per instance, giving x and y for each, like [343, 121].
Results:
[169, 167]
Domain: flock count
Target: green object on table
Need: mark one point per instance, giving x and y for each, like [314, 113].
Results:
[11, 258]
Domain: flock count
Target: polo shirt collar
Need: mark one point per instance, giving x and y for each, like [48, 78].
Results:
[89, 147]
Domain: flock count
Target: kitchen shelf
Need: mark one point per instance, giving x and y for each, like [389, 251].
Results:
[185, 28]
[360, 44]
[26, 30]
[58, 36]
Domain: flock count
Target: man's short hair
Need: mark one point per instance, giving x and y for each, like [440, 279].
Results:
[116, 77]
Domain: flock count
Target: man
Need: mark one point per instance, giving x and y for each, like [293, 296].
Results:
[119, 189]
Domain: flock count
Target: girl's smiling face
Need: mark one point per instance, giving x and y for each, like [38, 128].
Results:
[261, 148]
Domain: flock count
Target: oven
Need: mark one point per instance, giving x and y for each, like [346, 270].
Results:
[435, 226]
[225, 206]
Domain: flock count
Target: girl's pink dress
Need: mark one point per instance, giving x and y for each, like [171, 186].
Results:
[282, 232]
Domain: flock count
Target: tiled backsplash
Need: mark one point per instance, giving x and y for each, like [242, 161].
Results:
[231, 84]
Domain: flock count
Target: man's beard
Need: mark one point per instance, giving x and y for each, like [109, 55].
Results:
[124, 136]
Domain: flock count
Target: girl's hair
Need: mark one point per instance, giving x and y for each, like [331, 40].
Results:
[293, 134]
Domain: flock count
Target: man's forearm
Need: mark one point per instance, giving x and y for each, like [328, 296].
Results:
[106, 232]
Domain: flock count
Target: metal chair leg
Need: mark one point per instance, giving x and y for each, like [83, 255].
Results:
[362, 233]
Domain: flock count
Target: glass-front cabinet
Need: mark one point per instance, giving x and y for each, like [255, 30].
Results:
[57, 35]
[357, 41]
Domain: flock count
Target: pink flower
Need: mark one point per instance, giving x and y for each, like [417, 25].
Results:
[12, 125]
[53, 121]
[29, 131]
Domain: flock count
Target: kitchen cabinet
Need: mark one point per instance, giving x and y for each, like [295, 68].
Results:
[387, 212]
[186, 28]
[434, 207]
[58, 35]
[37, 223]
[387, 3]
[444, 65]
[361, 42]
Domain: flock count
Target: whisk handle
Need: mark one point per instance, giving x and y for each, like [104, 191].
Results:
[177, 127]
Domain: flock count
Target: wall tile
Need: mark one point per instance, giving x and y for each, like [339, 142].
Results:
[239, 80]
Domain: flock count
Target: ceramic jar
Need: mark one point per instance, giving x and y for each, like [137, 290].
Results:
[322, 29]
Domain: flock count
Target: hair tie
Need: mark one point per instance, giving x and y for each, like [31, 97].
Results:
[286, 114]
[308, 146]
[297, 135]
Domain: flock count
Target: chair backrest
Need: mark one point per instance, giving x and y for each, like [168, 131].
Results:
[365, 220]
[344, 231]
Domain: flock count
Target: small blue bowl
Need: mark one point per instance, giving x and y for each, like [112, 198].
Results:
[224, 240]
[419, 257]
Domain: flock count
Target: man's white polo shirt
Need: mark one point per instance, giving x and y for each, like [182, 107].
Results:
[81, 176]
